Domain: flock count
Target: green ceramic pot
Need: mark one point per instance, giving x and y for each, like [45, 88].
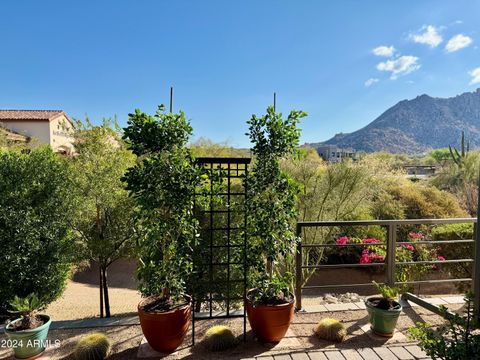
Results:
[383, 321]
[28, 344]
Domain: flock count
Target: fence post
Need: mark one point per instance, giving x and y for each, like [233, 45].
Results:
[298, 270]
[391, 247]
[476, 262]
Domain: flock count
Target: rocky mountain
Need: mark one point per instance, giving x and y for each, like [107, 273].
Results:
[418, 125]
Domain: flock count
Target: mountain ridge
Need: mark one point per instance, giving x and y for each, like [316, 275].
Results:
[417, 126]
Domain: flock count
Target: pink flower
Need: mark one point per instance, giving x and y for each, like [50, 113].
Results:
[365, 258]
[408, 247]
[377, 258]
[416, 236]
[370, 241]
[440, 258]
[342, 241]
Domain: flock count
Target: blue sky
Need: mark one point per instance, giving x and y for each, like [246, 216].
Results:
[226, 58]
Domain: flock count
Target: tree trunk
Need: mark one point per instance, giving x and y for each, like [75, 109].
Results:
[105, 293]
[100, 283]
[270, 268]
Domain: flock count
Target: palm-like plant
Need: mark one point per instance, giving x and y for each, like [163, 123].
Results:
[389, 295]
[27, 307]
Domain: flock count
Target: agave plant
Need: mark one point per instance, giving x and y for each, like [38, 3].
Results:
[27, 307]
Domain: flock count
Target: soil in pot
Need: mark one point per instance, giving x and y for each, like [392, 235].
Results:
[165, 322]
[33, 323]
[270, 320]
[383, 304]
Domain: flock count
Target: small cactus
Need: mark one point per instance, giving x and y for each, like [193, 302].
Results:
[219, 338]
[331, 330]
[93, 346]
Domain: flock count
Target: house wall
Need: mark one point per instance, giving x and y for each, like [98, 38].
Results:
[33, 128]
[57, 133]
[61, 131]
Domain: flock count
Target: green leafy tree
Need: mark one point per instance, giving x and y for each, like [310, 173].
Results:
[163, 184]
[104, 220]
[36, 240]
[272, 201]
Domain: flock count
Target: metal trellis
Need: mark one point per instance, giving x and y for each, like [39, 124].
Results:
[220, 263]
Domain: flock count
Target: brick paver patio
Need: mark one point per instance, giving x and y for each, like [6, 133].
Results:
[398, 352]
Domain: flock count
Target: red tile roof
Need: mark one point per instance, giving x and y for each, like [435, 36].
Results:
[30, 114]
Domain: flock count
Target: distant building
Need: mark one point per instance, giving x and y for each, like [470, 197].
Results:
[418, 172]
[52, 127]
[333, 153]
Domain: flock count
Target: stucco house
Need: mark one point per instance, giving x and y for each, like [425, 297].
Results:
[52, 127]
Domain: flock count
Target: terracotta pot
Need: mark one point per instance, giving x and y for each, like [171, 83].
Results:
[270, 323]
[165, 331]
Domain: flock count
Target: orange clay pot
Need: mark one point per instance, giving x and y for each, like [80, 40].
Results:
[270, 323]
[165, 331]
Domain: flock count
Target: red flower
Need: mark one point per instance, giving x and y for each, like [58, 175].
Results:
[377, 258]
[440, 258]
[342, 241]
[365, 258]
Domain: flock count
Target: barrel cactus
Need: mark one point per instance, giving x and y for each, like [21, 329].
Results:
[219, 338]
[331, 330]
[93, 346]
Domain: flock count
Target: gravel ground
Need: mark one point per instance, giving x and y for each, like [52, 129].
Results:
[126, 339]
[82, 301]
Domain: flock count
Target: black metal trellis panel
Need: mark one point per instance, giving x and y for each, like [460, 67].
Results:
[223, 171]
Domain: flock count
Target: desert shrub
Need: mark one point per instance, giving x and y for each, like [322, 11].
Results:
[219, 338]
[207, 148]
[93, 346]
[460, 179]
[402, 199]
[328, 192]
[331, 330]
[35, 238]
[456, 251]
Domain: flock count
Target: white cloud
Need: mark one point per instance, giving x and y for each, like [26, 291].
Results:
[429, 35]
[475, 74]
[458, 42]
[387, 51]
[400, 66]
[371, 81]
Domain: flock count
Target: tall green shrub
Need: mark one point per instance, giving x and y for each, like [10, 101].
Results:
[163, 184]
[272, 201]
[456, 250]
[35, 238]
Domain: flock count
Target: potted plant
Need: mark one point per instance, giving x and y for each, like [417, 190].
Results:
[163, 184]
[28, 333]
[271, 211]
[384, 310]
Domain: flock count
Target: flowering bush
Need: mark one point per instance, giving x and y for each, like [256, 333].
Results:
[373, 251]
